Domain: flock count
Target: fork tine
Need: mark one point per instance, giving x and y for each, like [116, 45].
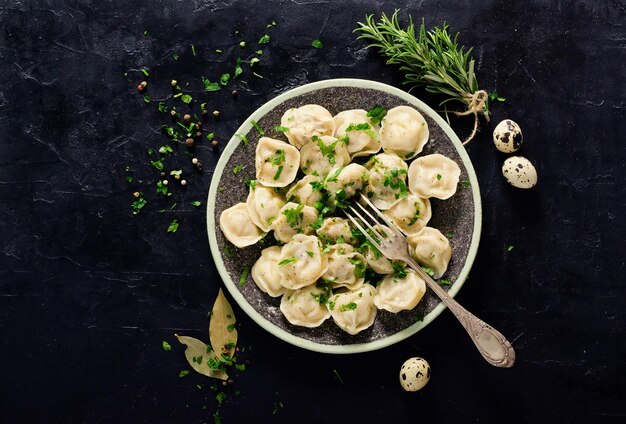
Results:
[384, 217]
[365, 233]
[383, 229]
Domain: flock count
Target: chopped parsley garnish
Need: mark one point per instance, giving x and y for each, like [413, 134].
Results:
[225, 78]
[280, 128]
[145, 72]
[450, 234]
[445, 282]
[210, 136]
[193, 50]
[365, 127]
[251, 183]
[254, 61]
[416, 216]
[376, 114]
[334, 176]
[173, 227]
[138, 205]
[129, 178]
[348, 307]
[158, 164]
[257, 127]
[494, 96]
[271, 24]
[359, 267]
[511, 247]
[196, 203]
[278, 172]
[146, 98]
[399, 270]
[176, 172]
[244, 275]
[419, 316]
[294, 216]
[162, 107]
[438, 177]
[242, 44]
[237, 169]
[428, 270]
[229, 250]
[243, 138]
[165, 149]
[183, 373]
[220, 397]
[265, 39]
[395, 182]
[317, 44]
[166, 346]
[308, 252]
[287, 261]
[210, 86]
[466, 183]
[161, 188]
[186, 98]
[259, 52]
[257, 75]
[238, 69]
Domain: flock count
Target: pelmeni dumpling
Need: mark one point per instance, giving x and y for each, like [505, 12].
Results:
[304, 192]
[293, 219]
[265, 272]
[276, 162]
[400, 294]
[237, 226]
[305, 122]
[302, 307]
[335, 230]
[346, 268]
[387, 183]
[301, 262]
[350, 179]
[434, 176]
[320, 155]
[404, 132]
[354, 311]
[410, 214]
[362, 135]
[431, 249]
[264, 205]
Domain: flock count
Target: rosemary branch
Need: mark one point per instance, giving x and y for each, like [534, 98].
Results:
[432, 59]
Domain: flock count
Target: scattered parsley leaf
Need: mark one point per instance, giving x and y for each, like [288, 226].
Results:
[259, 52]
[287, 261]
[183, 373]
[158, 164]
[399, 270]
[196, 203]
[129, 178]
[494, 97]
[173, 227]
[466, 183]
[175, 56]
[257, 127]
[238, 69]
[242, 44]
[137, 205]
[165, 149]
[265, 39]
[244, 275]
[348, 307]
[428, 270]
[166, 346]
[145, 72]
[224, 79]
[237, 169]
[271, 24]
[210, 86]
[243, 138]
[146, 98]
[161, 188]
[317, 44]
[377, 114]
[220, 397]
[186, 98]
[280, 128]
[445, 282]
[193, 50]
[511, 247]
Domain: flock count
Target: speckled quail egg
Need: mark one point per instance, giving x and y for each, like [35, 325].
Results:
[507, 136]
[519, 172]
[414, 374]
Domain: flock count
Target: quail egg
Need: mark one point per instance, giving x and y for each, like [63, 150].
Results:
[507, 136]
[519, 172]
[414, 374]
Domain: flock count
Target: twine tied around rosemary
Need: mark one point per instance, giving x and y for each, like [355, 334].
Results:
[476, 103]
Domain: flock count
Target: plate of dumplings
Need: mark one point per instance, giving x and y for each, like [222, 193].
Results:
[289, 256]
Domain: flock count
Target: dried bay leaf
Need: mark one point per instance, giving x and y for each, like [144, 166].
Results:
[199, 355]
[222, 331]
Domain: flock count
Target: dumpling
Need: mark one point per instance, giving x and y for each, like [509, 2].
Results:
[404, 132]
[387, 183]
[320, 155]
[265, 272]
[301, 262]
[305, 122]
[346, 268]
[410, 214]
[400, 294]
[306, 191]
[350, 179]
[264, 205]
[362, 136]
[354, 311]
[238, 227]
[434, 176]
[335, 230]
[276, 162]
[431, 249]
[303, 306]
[293, 219]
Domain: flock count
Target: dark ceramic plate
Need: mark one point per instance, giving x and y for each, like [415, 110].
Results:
[459, 216]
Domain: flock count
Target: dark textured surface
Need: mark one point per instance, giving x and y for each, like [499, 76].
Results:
[87, 291]
[455, 216]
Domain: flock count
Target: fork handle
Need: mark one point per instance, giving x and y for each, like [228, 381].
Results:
[491, 344]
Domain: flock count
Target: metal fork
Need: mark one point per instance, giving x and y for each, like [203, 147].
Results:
[491, 344]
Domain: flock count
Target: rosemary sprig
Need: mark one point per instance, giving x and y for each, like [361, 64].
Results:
[432, 59]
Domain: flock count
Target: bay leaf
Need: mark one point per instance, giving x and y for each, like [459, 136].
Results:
[199, 355]
[222, 331]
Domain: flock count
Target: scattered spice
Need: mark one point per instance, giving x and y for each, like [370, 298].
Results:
[166, 346]
[317, 44]
[173, 227]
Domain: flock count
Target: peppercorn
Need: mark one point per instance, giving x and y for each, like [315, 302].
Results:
[205, 112]
[163, 174]
[165, 182]
[216, 113]
[194, 161]
[230, 381]
[234, 93]
[215, 143]
[187, 117]
[189, 142]
[183, 182]
[199, 165]
[174, 83]
[136, 194]
[198, 134]
[173, 112]
[198, 125]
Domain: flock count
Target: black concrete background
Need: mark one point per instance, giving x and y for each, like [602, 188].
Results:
[88, 292]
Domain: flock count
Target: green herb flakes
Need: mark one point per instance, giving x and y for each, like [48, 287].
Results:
[146, 98]
[257, 127]
[243, 138]
[466, 184]
[242, 44]
[224, 79]
[348, 307]
[377, 114]
[445, 282]
[166, 346]
[173, 227]
[237, 169]
[183, 373]
[265, 39]
[161, 188]
[158, 164]
[428, 270]
[510, 247]
[244, 275]
[287, 261]
[196, 203]
[193, 50]
[317, 44]
[145, 72]
[210, 86]
[280, 128]
[238, 69]
[138, 205]
[186, 98]
[165, 149]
